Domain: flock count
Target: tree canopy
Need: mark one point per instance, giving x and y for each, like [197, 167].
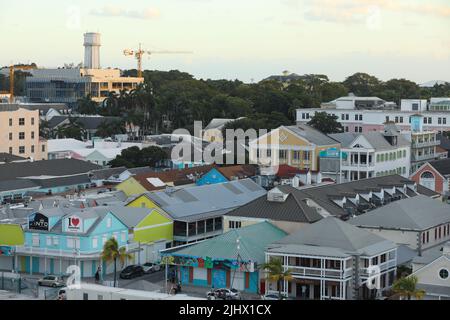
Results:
[325, 123]
[135, 157]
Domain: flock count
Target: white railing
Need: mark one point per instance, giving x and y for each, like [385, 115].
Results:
[318, 272]
[426, 143]
[70, 253]
[383, 267]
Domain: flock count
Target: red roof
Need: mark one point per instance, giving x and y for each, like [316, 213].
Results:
[287, 171]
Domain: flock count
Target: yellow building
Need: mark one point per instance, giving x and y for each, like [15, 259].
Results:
[131, 187]
[19, 134]
[298, 146]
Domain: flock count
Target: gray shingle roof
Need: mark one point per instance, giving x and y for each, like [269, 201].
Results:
[106, 173]
[442, 166]
[6, 157]
[201, 200]
[331, 233]
[293, 209]
[417, 213]
[312, 135]
[55, 168]
[17, 184]
[62, 181]
[375, 138]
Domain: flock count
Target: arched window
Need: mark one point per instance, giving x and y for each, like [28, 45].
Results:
[427, 180]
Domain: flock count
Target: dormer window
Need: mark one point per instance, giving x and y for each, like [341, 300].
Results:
[276, 195]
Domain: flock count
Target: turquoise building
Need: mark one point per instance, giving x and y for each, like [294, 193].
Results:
[230, 260]
[211, 177]
[57, 238]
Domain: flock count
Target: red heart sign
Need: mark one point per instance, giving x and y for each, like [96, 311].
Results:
[75, 222]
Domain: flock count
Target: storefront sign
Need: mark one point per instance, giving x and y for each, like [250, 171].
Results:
[6, 251]
[75, 224]
[38, 221]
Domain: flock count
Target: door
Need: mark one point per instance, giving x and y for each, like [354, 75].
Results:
[219, 278]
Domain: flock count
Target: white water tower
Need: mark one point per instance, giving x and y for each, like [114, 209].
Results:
[92, 50]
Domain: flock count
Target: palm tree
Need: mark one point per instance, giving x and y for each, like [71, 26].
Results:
[276, 272]
[407, 287]
[111, 253]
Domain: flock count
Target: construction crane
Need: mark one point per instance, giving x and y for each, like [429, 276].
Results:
[140, 52]
[12, 70]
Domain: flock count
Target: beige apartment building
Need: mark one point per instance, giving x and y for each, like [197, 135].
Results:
[19, 132]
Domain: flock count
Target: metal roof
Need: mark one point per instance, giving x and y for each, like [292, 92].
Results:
[416, 213]
[252, 243]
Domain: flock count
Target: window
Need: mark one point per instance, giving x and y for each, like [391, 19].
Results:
[32, 134]
[123, 236]
[104, 239]
[22, 149]
[356, 117]
[32, 121]
[444, 120]
[10, 122]
[21, 135]
[401, 119]
[296, 155]
[360, 117]
[415, 106]
[234, 224]
[347, 116]
[404, 153]
[49, 241]
[35, 240]
[70, 243]
[10, 150]
[387, 118]
[342, 116]
[55, 241]
[21, 121]
[439, 120]
[10, 136]
[443, 274]
[306, 155]
[95, 242]
[43, 148]
[85, 296]
[283, 154]
[32, 149]
[109, 222]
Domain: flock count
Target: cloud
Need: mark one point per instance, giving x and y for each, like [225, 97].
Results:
[360, 11]
[116, 11]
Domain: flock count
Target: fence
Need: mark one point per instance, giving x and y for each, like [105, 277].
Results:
[11, 282]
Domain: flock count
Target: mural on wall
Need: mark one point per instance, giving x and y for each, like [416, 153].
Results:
[6, 251]
[209, 263]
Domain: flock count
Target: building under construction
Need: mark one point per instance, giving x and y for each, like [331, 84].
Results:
[69, 85]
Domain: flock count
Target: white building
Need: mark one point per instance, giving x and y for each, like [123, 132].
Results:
[331, 259]
[371, 117]
[373, 154]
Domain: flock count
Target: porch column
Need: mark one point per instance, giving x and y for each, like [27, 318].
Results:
[60, 266]
[45, 265]
[31, 265]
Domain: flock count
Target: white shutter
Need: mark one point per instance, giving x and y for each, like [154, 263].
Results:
[200, 274]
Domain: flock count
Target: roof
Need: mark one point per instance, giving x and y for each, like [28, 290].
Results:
[176, 176]
[217, 123]
[62, 181]
[287, 171]
[104, 174]
[238, 171]
[17, 184]
[416, 213]
[7, 157]
[334, 237]
[376, 139]
[293, 209]
[88, 122]
[55, 145]
[252, 245]
[208, 200]
[51, 168]
[310, 134]
[325, 195]
[441, 165]
[130, 216]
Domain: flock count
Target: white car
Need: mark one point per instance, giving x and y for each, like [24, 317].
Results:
[223, 294]
[51, 281]
[150, 267]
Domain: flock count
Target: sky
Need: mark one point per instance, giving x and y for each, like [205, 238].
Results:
[238, 39]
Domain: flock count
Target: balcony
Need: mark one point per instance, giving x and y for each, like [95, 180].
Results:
[320, 273]
[423, 157]
[356, 164]
[59, 253]
[364, 272]
[426, 144]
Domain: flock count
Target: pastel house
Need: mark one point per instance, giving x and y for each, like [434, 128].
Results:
[57, 238]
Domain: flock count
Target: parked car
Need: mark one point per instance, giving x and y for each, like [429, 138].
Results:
[273, 296]
[132, 271]
[223, 294]
[151, 267]
[51, 281]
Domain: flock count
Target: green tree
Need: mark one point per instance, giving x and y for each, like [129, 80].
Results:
[407, 287]
[134, 157]
[326, 123]
[74, 129]
[362, 84]
[85, 105]
[109, 128]
[111, 253]
[275, 272]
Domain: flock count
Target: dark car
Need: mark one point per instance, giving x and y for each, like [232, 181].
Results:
[131, 272]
